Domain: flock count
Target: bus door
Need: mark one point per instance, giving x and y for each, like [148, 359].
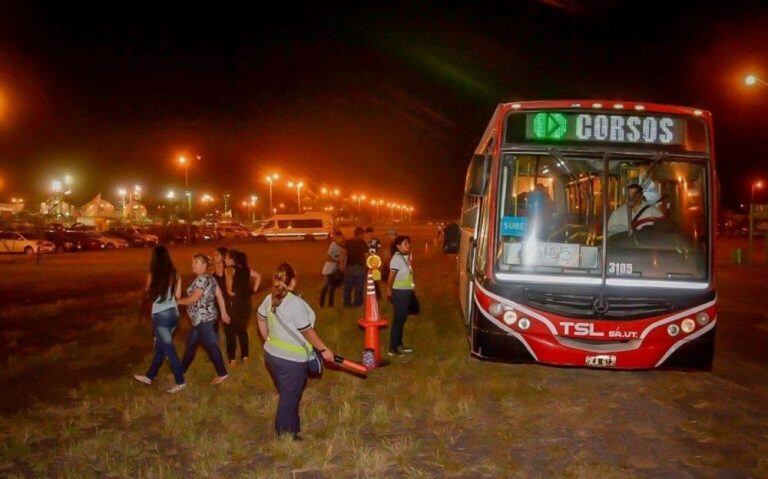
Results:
[475, 205]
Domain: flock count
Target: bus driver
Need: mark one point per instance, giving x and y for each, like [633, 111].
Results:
[643, 214]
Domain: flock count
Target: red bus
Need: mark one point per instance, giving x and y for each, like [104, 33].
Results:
[587, 236]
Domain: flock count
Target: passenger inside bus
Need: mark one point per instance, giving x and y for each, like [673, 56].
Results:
[642, 213]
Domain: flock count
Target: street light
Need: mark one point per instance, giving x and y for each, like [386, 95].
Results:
[298, 186]
[252, 208]
[751, 80]
[122, 192]
[271, 180]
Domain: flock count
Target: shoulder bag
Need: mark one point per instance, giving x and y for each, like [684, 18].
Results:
[314, 358]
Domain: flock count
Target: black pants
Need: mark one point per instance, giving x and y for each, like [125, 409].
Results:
[354, 279]
[329, 288]
[401, 302]
[290, 378]
[237, 330]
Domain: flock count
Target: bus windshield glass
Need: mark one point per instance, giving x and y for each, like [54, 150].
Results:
[552, 214]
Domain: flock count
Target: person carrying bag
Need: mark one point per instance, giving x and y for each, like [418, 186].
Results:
[401, 293]
[286, 322]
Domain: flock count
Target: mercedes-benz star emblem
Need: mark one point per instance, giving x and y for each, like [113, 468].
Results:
[600, 305]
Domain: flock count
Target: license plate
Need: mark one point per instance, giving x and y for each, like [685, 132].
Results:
[602, 361]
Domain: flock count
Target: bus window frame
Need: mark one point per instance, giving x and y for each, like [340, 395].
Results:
[608, 155]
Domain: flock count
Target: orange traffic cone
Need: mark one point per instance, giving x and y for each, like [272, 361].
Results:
[371, 323]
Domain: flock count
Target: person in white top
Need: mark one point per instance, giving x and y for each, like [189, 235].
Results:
[643, 214]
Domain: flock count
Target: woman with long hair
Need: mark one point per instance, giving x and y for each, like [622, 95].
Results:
[219, 268]
[201, 300]
[241, 282]
[163, 289]
[286, 322]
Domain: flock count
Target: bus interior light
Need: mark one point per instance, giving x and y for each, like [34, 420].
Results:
[618, 106]
[510, 317]
[639, 107]
[524, 323]
[702, 318]
[597, 105]
[688, 325]
[496, 309]
[673, 330]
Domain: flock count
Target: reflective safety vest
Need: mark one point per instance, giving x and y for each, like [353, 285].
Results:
[301, 353]
[407, 282]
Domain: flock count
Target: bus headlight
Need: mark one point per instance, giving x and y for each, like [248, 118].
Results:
[688, 325]
[702, 318]
[524, 323]
[673, 330]
[496, 309]
[510, 317]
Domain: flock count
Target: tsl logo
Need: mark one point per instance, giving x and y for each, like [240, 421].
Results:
[588, 329]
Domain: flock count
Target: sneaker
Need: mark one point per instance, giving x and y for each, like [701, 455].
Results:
[177, 388]
[232, 363]
[393, 353]
[244, 359]
[142, 379]
[405, 349]
[219, 379]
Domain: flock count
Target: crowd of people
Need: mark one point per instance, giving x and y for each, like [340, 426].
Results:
[220, 296]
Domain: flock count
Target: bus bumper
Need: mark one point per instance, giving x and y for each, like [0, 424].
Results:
[682, 340]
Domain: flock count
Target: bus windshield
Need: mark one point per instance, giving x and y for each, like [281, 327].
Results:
[553, 211]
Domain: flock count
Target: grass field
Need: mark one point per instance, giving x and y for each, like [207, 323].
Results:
[73, 337]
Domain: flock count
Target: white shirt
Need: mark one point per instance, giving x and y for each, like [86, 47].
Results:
[334, 251]
[294, 313]
[617, 223]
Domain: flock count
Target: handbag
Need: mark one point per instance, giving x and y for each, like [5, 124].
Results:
[314, 358]
[414, 307]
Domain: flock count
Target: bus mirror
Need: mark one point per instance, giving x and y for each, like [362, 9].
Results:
[477, 178]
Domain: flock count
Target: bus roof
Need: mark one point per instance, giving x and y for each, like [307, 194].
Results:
[603, 105]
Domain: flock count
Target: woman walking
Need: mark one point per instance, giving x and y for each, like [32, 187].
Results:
[163, 288]
[201, 299]
[332, 270]
[286, 322]
[400, 293]
[241, 282]
[219, 266]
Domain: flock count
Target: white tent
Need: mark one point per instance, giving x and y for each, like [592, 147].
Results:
[98, 208]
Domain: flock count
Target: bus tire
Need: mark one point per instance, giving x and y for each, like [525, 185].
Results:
[309, 238]
[29, 250]
[261, 239]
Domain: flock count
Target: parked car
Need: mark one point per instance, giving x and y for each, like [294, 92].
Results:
[307, 226]
[63, 243]
[233, 231]
[165, 235]
[137, 237]
[87, 241]
[110, 241]
[15, 242]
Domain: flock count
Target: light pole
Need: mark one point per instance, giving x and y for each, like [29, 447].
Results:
[122, 192]
[298, 186]
[755, 184]
[170, 196]
[253, 208]
[752, 80]
[271, 180]
[207, 200]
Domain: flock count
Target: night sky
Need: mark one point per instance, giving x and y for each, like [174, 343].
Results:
[392, 99]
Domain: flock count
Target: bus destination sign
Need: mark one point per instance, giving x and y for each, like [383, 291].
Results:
[605, 128]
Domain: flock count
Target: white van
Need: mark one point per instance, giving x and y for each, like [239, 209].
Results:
[307, 226]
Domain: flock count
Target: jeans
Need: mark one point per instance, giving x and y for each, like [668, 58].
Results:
[354, 277]
[401, 301]
[328, 288]
[290, 378]
[237, 330]
[204, 334]
[164, 323]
